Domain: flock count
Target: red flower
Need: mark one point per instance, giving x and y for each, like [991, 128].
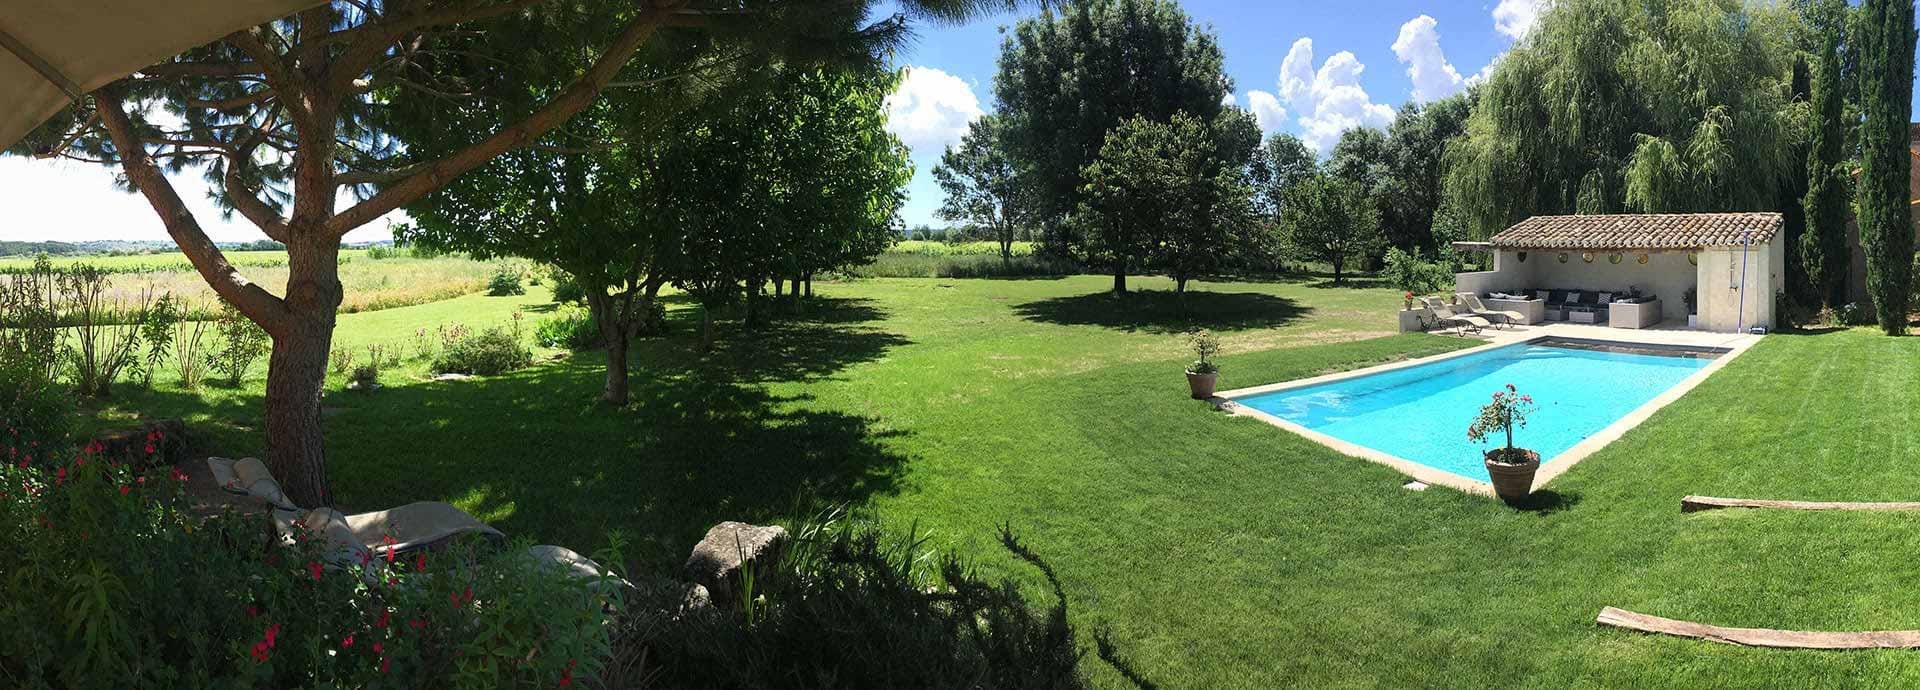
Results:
[252, 612]
[315, 569]
[388, 541]
[347, 642]
[179, 476]
[260, 652]
[1510, 386]
[60, 477]
[124, 489]
[566, 677]
[382, 623]
[420, 561]
[417, 624]
[469, 594]
[149, 449]
[273, 631]
[385, 664]
[376, 648]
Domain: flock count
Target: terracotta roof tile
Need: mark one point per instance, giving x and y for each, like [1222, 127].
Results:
[1639, 231]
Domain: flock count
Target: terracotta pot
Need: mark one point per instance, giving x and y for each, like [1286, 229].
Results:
[1202, 384]
[1512, 481]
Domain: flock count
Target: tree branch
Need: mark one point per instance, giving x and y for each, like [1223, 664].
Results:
[254, 301]
[576, 97]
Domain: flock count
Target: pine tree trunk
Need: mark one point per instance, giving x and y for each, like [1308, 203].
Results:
[297, 370]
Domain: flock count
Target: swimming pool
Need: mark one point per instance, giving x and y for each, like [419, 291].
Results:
[1421, 413]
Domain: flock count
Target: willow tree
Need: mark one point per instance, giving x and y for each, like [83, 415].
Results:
[288, 115]
[1823, 249]
[1641, 105]
[1886, 36]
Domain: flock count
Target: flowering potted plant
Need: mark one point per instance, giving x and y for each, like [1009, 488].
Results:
[1510, 468]
[1202, 375]
[1409, 299]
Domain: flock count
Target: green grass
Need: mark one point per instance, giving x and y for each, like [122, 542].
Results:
[1222, 551]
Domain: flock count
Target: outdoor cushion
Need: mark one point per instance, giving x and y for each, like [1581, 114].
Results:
[1574, 297]
[1541, 295]
[248, 477]
[341, 547]
[1606, 297]
[415, 526]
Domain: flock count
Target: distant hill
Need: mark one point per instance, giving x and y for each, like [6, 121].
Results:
[56, 248]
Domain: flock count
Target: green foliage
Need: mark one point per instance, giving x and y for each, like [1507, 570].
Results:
[506, 280]
[1508, 411]
[157, 327]
[1204, 345]
[1410, 187]
[982, 184]
[1065, 81]
[852, 604]
[917, 264]
[1329, 219]
[1174, 195]
[114, 581]
[571, 327]
[491, 352]
[1824, 254]
[1410, 272]
[566, 290]
[105, 338]
[1886, 38]
[1597, 111]
[381, 252]
[240, 343]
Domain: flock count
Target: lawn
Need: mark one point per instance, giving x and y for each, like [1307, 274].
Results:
[1222, 552]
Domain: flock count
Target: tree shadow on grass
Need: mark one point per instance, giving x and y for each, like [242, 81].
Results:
[814, 340]
[1163, 311]
[1349, 282]
[531, 454]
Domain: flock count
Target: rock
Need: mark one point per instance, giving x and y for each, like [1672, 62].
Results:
[729, 547]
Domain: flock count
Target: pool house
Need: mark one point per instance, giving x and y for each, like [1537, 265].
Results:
[1707, 271]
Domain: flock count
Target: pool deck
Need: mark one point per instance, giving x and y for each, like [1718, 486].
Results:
[1733, 343]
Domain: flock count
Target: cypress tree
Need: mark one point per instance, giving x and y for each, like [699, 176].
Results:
[1823, 248]
[1886, 95]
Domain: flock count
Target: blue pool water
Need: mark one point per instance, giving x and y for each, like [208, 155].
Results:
[1421, 413]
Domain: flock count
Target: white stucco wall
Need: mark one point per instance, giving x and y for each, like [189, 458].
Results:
[1724, 305]
[1666, 275]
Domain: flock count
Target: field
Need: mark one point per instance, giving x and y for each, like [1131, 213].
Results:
[1221, 551]
[370, 284]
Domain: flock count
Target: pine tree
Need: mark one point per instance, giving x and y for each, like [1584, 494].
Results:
[1823, 248]
[1886, 95]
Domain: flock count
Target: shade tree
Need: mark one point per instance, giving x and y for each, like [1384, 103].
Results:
[1330, 219]
[983, 186]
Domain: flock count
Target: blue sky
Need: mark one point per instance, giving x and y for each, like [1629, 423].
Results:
[931, 109]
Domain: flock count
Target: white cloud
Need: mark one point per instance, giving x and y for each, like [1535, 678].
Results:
[931, 109]
[1330, 101]
[1229, 100]
[71, 201]
[1266, 111]
[1515, 18]
[1419, 48]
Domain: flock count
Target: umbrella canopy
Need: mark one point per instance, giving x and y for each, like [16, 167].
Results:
[52, 51]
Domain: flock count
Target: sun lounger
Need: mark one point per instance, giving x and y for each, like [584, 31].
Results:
[1480, 309]
[1446, 315]
[411, 527]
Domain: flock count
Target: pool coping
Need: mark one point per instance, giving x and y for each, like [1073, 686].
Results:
[1550, 468]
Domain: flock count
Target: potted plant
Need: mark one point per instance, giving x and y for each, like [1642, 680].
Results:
[1409, 299]
[1202, 375]
[1692, 297]
[1510, 468]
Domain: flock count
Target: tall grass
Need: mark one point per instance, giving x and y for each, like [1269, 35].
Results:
[926, 259]
[932, 248]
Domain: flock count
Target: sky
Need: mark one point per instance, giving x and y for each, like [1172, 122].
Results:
[1312, 68]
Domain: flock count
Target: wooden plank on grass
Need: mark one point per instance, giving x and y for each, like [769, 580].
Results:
[1694, 504]
[1759, 637]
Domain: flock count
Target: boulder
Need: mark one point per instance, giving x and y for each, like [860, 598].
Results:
[728, 548]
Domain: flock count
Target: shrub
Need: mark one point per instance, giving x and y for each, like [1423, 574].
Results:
[114, 582]
[1412, 273]
[491, 352]
[571, 327]
[505, 281]
[379, 252]
[106, 336]
[566, 290]
[157, 330]
[1204, 345]
[189, 352]
[35, 411]
[241, 342]
[866, 608]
